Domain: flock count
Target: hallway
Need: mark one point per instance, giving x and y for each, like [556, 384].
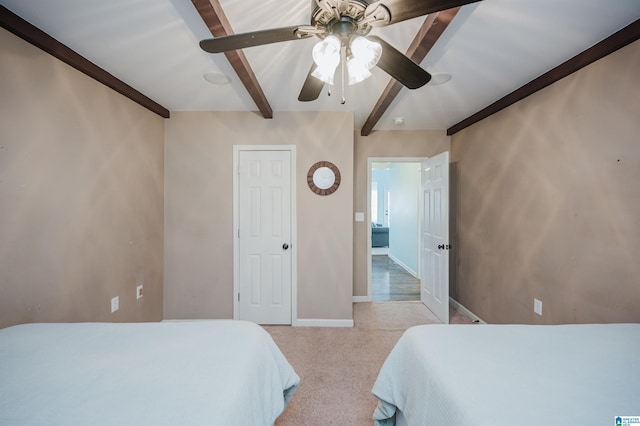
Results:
[389, 281]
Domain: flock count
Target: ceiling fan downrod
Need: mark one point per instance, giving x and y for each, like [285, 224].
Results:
[343, 28]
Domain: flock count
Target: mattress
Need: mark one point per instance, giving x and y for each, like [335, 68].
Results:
[479, 375]
[169, 373]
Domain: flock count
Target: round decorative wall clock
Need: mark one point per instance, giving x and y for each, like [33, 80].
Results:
[323, 178]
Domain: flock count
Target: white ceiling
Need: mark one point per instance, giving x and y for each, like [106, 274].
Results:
[491, 48]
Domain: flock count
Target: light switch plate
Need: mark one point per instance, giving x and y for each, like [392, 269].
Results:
[115, 304]
[537, 306]
[359, 216]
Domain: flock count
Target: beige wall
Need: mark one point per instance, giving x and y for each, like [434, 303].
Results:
[418, 143]
[549, 201]
[199, 210]
[546, 203]
[81, 194]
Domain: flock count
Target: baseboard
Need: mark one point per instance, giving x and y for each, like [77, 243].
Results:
[323, 323]
[405, 267]
[459, 307]
[359, 299]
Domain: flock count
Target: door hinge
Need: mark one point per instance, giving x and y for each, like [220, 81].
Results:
[238, 297]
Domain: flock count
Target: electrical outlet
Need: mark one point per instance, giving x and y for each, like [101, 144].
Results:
[139, 292]
[537, 306]
[115, 304]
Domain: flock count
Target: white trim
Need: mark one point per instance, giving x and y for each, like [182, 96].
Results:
[360, 299]
[460, 308]
[294, 225]
[371, 160]
[323, 323]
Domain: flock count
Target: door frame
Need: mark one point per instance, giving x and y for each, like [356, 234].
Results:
[370, 161]
[293, 246]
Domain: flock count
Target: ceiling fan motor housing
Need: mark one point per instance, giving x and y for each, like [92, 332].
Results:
[342, 24]
[344, 29]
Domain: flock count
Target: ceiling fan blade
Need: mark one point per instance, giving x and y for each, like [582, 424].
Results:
[400, 67]
[255, 38]
[311, 88]
[401, 10]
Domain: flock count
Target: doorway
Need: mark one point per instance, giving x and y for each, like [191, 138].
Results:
[393, 243]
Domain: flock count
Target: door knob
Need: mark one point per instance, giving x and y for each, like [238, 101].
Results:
[285, 246]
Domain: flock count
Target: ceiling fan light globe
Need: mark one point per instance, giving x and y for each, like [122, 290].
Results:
[327, 52]
[366, 51]
[357, 71]
[326, 55]
[325, 74]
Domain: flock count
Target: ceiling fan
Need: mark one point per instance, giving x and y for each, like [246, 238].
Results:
[343, 27]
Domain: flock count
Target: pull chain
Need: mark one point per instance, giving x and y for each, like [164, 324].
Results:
[343, 59]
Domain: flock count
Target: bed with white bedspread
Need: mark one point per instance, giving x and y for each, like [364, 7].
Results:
[494, 375]
[219, 372]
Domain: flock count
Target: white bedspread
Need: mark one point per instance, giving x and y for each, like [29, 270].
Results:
[495, 375]
[220, 372]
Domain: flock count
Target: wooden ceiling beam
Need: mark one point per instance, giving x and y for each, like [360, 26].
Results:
[31, 34]
[214, 17]
[431, 30]
[625, 36]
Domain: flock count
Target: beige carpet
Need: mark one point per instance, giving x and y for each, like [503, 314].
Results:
[338, 366]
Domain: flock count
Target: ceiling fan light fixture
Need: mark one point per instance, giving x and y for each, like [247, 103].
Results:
[365, 51]
[357, 71]
[326, 55]
[366, 55]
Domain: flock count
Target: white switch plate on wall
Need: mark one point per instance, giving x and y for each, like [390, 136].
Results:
[359, 216]
[537, 306]
[115, 304]
[139, 292]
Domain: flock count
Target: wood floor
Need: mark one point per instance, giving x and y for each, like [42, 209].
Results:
[389, 281]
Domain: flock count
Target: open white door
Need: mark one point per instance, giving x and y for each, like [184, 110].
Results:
[434, 241]
[264, 237]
